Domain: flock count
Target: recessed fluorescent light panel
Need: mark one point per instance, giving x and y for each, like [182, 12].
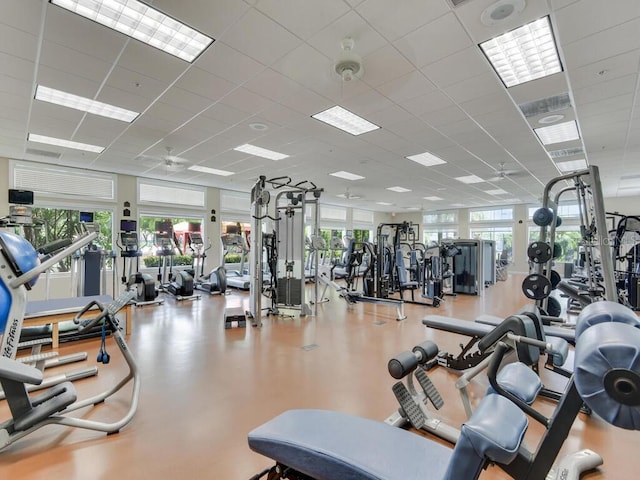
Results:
[562, 132]
[33, 137]
[413, 208]
[212, 171]
[84, 104]
[260, 152]
[387, 204]
[566, 152]
[571, 165]
[432, 199]
[347, 175]
[345, 120]
[142, 22]
[524, 54]
[426, 159]
[398, 189]
[497, 191]
[470, 179]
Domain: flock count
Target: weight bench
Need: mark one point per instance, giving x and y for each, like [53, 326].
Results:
[567, 334]
[327, 445]
[56, 311]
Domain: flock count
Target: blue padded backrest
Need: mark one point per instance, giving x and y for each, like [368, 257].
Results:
[5, 306]
[20, 254]
[402, 271]
[494, 432]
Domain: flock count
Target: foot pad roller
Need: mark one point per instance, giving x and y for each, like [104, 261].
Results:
[411, 409]
[429, 388]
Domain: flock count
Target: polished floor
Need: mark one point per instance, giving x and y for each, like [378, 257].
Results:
[204, 388]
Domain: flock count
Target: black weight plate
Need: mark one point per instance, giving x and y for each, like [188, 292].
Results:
[557, 250]
[539, 252]
[536, 287]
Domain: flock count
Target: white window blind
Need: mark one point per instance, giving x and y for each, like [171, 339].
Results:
[235, 202]
[54, 181]
[333, 214]
[170, 194]
[362, 217]
[450, 216]
[499, 214]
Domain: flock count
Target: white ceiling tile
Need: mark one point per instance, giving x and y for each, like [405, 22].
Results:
[612, 88]
[26, 16]
[555, 84]
[366, 103]
[404, 17]
[605, 70]
[433, 41]
[304, 19]
[407, 87]
[366, 40]
[151, 62]
[591, 16]
[601, 45]
[430, 102]
[223, 61]
[17, 68]
[474, 88]
[183, 99]
[205, 84]
[136, 83]
[73, 62]
[445, 116]
[600, 107]
[281, 115]
[459, 66]
[122, 99]
[15, 86]
[165, 117]
[390, 115]
[247, 101]
[18, 42]
[210, 18]
[385, 65]
[261, 38]
[487, 103]
[225, 113]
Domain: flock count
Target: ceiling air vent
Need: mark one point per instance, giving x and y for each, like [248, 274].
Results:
[629, 177]
[455, 3]
[545, 105]
[42, 153]
[567, 152]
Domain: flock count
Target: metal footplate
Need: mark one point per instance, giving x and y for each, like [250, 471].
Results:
[124, 298]
[429, 388]
[410, 408]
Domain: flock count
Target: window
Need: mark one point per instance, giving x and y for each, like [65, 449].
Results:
[235, 202]
[60, 223]
[438, 235]
[567, 236]
[150, 242]
[503, 236]
[491, 215]
[330, 213]
[166, 193]
[235, 243]
[361, 235]
[59, 182]
[447, 216]
[568, 210]
[333, 237]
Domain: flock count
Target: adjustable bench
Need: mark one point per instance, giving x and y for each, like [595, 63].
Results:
[567, 334]
[326, 445]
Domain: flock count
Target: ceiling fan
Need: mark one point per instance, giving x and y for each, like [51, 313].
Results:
[170, 163]
[347, 195]
[502, 174]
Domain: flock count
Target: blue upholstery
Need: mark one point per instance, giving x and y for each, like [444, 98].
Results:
[456, 325]
[560, 350]
[519, 380]
[21, 252]
[403, 278]
[567, 334]
[607, 311]
[330, 445]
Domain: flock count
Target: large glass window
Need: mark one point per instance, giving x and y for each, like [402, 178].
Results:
[567, 236]
[235, 242]
[437, 235]
[445, 216]
[60, 223]
[567, 210]
[503, 236]
[491, 215]
[152, 228]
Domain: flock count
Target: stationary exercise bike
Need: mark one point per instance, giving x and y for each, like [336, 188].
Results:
[20, 268]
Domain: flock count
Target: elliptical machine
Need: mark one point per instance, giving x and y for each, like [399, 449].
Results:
[142, 283]
[180, 283]
[215, 282]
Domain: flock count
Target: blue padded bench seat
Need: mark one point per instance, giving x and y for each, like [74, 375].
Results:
[56, 306]
[330, 445]
[568, 334]
[519, 380]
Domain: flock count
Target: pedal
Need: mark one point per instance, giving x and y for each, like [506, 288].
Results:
[429, 388]
[409, 406]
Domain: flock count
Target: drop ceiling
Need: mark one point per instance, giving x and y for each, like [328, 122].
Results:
[425, 82]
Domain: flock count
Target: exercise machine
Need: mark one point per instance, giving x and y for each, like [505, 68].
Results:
[215, 282]
[20, 269]
[179, 284]
[236, 243]
[132, 278]
[321, 444]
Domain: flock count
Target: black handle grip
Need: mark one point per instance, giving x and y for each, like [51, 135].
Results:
[92, 322]
[54, 246]
[402, 365]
